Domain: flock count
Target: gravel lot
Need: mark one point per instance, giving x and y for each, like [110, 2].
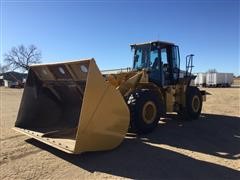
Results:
[208, 148]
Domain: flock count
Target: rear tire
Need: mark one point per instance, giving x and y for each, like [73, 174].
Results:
[193, 104]
[145, 110]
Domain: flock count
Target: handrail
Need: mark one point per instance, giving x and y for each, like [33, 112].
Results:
[189, 64]
[113, 71]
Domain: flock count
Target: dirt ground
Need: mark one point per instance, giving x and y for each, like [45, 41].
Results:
[207, 148]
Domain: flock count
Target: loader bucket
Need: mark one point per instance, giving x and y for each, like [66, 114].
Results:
[71, 107]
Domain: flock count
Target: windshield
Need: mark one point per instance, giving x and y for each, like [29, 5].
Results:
[140, 59]
[145, 58]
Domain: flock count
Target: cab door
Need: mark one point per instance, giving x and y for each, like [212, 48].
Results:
[155, 67]
[170, 64]
[175, 63]
[164, 54]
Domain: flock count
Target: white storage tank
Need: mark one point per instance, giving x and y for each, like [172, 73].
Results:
[219, 79]
[200, 79]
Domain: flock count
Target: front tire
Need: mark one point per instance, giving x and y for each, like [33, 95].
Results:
[145, 110]
[193, 104]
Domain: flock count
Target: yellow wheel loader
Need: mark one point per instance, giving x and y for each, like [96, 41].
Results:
[74, 107]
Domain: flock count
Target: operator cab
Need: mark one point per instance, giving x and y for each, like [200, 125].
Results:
[160, 59]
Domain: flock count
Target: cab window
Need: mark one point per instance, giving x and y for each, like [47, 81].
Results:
[164, 56]
[154, 60]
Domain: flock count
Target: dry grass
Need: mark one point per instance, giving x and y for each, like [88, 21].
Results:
[236, 81]
[223, 101]
[208, 148]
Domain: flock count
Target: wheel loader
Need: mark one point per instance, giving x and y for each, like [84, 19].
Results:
[76, 108]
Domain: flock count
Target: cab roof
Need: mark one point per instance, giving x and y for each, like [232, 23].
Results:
[160, 43]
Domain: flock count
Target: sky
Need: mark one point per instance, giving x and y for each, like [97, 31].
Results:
[71, 30]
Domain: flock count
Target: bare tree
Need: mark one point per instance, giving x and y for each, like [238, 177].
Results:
[3, 68]
[21, 57]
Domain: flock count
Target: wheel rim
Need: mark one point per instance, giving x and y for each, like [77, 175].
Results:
[195, 103]
[149, 112]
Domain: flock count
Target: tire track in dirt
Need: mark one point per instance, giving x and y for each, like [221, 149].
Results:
[25, 154]
[11, 137]
[6, 159]
[20, 150]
